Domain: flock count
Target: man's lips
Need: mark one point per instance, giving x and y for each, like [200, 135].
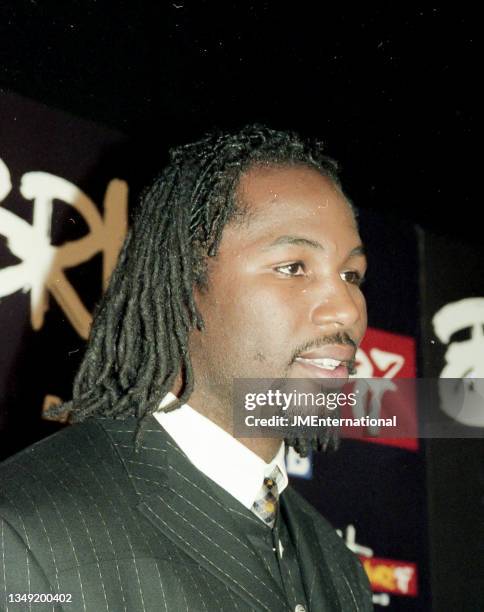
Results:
[327, 362]
[316, 371]
[331, 351]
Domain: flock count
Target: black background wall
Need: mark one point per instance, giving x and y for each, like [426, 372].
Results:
[392, 90]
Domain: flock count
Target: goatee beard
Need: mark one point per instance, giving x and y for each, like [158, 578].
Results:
[327, 441]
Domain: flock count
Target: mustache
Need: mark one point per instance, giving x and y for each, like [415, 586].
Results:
[339, 338]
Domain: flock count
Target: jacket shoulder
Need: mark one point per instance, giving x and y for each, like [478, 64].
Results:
[73, 464]
[63, 450]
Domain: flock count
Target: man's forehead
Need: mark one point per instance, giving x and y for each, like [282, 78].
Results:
[266, 191]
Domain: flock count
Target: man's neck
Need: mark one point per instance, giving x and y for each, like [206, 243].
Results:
[265, 448]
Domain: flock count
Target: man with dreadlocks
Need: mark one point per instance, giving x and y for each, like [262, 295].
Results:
[243, 261]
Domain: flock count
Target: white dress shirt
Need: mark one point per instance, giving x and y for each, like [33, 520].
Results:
[219, 455]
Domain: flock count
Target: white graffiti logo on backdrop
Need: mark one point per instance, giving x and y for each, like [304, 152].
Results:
[371, 391]
[41, 270]
[463, 359]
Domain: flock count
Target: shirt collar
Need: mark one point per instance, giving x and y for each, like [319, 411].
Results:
[241, 472]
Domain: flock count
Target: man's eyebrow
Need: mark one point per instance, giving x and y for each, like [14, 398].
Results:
[297, 240]
[359, 250]
[314, 244]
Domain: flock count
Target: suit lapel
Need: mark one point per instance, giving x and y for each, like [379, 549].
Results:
[317, 574]
[179, 501]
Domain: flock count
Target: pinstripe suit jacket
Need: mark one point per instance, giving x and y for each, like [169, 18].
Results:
[81, 513]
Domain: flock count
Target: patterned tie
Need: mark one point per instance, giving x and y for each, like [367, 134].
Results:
[266, 502]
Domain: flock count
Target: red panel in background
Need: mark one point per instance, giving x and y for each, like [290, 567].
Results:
[385, 354]
[400, 362]
[390, 576]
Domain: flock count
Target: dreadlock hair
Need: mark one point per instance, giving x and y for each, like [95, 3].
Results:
[139, 338]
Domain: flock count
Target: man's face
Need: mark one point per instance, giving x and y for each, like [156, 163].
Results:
[283, 290]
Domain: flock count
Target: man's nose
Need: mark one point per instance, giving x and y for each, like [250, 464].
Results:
[336, 306]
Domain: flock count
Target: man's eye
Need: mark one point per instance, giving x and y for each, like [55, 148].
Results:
[292, 269]
[353, 277]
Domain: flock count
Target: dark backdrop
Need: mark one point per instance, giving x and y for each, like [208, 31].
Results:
[392, 88]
